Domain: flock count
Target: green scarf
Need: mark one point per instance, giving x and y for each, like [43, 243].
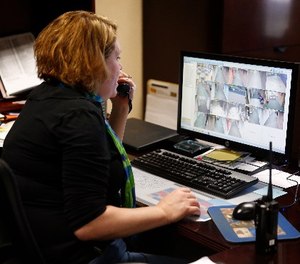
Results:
[127, 190]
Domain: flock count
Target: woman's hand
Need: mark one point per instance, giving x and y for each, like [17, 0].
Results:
[121, 106]
[121, 103]
[125, 78]
[179, 204]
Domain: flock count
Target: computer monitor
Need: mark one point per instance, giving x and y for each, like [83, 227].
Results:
[241, 103]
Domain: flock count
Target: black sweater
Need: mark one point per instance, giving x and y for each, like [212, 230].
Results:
[67, 168]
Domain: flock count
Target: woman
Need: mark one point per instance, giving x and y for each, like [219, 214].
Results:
[74, 175]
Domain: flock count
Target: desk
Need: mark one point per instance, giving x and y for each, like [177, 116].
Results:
[288, 252]
[8, 106]
[206, 235]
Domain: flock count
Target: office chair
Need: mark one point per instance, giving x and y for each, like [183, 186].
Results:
[17, 243]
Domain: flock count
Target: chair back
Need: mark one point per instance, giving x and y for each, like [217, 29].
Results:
[16, 238]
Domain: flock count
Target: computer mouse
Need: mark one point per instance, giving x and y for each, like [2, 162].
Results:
[244, 211]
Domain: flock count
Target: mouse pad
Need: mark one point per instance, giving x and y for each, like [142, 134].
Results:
[238, 231]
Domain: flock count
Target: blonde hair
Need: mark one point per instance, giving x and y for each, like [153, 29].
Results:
[73, 49]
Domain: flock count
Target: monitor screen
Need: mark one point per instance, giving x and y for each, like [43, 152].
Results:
[241, 103]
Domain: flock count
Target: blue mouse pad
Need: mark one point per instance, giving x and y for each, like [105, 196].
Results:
[237, 231]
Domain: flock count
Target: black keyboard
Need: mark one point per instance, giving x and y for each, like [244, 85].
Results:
[194, 173]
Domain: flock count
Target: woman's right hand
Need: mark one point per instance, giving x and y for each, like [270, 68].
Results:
[179, 204]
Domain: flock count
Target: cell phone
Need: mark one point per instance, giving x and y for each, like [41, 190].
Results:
[123, 89]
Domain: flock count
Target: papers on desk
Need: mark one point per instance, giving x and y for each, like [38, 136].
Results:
[224, 155]
[279, 178]
[231, 159]
[4, 129]
[276, 192]
[203, 260]
[151, 188]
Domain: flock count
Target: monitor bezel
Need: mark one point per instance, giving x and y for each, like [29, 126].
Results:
[255, 151]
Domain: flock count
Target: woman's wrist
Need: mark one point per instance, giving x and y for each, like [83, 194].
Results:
[120, 109]
[164, 217]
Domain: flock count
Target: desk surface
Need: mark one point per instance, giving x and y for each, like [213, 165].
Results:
[207, 235]
[288, 252]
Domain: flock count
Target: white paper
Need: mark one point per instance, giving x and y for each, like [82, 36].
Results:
[151, 188]
[161, 110]
[203, 260]
[279, 178]
[276, 192]
[4, 129]
[162, 103]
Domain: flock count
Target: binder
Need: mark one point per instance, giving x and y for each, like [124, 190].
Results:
[162, 103]
[17, 66]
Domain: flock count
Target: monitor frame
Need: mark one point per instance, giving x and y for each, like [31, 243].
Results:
[260, 153]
